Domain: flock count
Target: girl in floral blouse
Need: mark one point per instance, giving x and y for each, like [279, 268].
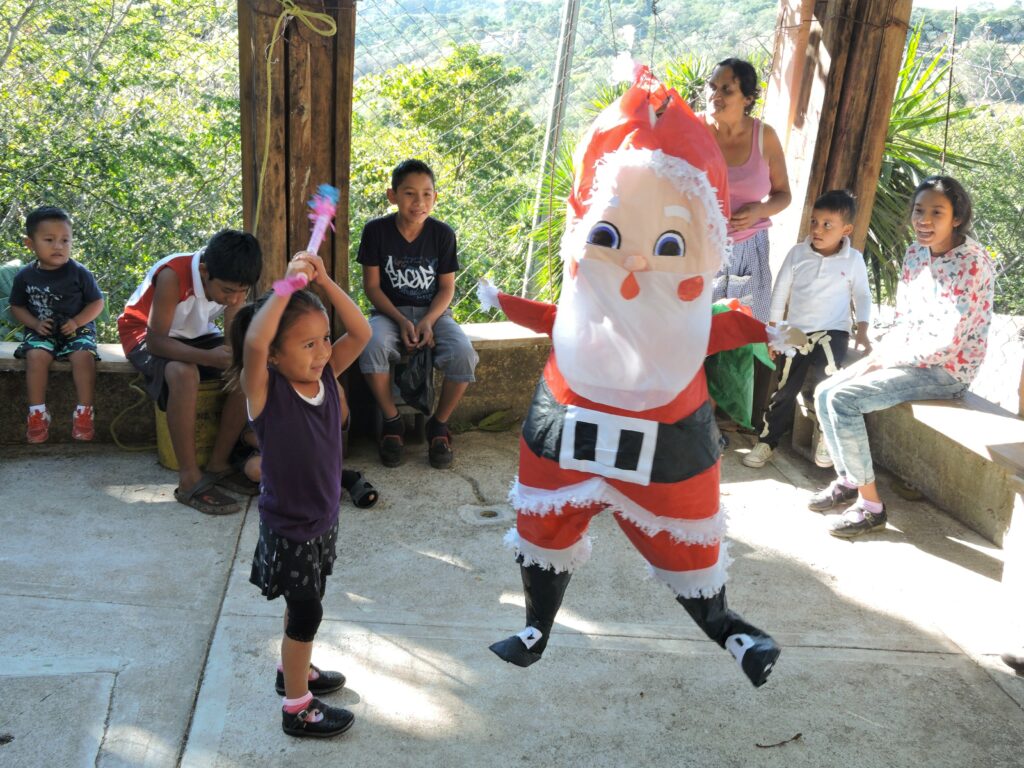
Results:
[943, 312]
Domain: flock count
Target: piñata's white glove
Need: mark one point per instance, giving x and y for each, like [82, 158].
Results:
[487, 293]
[785, 339]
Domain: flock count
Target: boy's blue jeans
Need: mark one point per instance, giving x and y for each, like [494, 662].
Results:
[842, 400]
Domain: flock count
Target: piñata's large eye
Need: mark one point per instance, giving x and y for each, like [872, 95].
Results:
[604, 234]
[671, 243]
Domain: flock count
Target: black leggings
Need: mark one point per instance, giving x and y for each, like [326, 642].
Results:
[304, 618]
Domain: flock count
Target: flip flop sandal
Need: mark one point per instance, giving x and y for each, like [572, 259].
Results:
[363, 494]
[234, 480]
[207, 499]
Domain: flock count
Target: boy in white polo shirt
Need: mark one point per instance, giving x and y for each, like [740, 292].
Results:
[819, 279]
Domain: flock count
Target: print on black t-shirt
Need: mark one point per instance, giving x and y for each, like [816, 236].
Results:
[408, 271]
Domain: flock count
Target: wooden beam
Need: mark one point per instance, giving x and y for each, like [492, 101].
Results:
[305, 133]
[829, 98]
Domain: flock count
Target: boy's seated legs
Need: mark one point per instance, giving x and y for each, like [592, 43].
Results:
[455, 357]
[37, 373]
[83, 372]
[375, 364]
[174, 385]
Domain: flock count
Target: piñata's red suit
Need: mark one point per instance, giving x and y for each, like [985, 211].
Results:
[621, 419]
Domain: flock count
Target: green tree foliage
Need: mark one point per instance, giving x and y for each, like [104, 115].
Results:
[126, 114]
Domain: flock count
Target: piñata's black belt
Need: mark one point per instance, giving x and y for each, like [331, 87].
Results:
[635, 450]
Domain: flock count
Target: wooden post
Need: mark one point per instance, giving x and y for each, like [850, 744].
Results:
[829, 97]
[309, 126]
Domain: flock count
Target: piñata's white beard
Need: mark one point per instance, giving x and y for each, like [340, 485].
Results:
[636, 354]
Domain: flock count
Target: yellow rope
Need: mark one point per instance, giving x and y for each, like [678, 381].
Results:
[135, 384]
[323, 25]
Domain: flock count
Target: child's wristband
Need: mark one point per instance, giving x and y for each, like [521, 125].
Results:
[289, 285]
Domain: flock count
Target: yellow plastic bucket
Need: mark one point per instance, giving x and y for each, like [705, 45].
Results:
[209, 401]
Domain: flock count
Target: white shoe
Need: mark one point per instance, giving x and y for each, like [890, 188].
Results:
[758, 455]
[821, 454]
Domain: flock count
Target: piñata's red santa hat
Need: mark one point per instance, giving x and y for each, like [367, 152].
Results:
[647, 116]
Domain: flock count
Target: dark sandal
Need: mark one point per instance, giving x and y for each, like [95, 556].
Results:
[363, 494]
[234, 480]
[207, 499]
[392, 450]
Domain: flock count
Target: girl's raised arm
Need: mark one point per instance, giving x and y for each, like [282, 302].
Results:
[259, 337]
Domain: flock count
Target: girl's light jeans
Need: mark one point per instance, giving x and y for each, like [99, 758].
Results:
[842, 400]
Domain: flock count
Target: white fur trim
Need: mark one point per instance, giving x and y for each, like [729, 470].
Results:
[487, 293]
[558, 560]
[704, 582]
[539, 501]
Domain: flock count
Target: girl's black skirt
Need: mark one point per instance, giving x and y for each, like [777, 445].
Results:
[295, 570]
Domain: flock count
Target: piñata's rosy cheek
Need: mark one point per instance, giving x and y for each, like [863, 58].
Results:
[690, 288]
[630, 287]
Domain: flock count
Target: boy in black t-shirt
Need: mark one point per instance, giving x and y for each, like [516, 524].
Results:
[409, 262]
[58, 301]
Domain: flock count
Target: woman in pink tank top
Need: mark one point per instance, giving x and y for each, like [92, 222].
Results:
[758, 184]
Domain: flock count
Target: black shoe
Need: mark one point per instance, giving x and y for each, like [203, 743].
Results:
[335, 721]
[833, 496]
[847, 528]
[326, 683]
[392, 450]
[514, 651]
[758, 658]
[440, 452]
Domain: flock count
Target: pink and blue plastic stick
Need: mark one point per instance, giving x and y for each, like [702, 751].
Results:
[323, 205]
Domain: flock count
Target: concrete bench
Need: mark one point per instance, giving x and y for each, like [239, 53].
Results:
[511, 359]
[964, 455]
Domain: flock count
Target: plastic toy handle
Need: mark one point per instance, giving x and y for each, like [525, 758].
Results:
[286, 286]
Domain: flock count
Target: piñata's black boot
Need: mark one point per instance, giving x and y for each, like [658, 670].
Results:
[755, 651]
[543, 589]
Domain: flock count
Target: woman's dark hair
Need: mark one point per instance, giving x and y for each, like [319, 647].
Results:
[299, 303]
[746, 75]
[957, 196]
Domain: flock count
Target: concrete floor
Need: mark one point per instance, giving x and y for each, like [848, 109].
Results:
[133, 637]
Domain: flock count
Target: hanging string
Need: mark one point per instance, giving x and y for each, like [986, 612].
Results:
[654, 32]
[949, 92]
[320, 23]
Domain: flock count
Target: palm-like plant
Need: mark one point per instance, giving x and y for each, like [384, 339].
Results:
[920, 102]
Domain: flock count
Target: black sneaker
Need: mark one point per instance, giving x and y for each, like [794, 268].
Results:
[833, 496]
[847, 527]
[392, 450]
[440, 452]
[326, 683]
[335, 721]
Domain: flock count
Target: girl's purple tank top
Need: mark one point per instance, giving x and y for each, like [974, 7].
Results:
[301, 448]
[750, 183]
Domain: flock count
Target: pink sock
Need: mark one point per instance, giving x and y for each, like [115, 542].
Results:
[874, 507]
[294, 706]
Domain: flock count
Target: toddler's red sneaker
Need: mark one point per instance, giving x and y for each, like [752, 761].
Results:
[82, 425]
[38, 429]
